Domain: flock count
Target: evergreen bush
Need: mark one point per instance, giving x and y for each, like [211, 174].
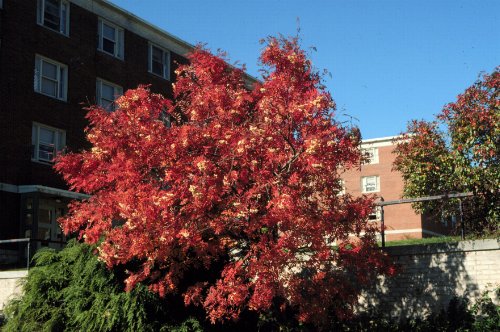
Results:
[71, 290]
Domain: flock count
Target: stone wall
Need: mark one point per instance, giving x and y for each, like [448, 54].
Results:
[431, 275]
[10, 285]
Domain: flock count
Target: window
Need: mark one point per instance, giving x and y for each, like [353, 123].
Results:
[450, 220]
[370, 184]
[376, 214]
[54, 14]
[46, 142]
[166, 118]
[106, 94]
[372, 155]
[159, 61]
[342, 187]
[51, 78]
[110, 39]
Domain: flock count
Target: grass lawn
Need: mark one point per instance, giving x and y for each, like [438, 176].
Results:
[427, 240]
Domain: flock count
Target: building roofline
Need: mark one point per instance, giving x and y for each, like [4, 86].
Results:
[132, 17]
[22, 189]
[380, 139]
[133, 21]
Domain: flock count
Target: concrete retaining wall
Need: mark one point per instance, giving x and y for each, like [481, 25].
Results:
[431, 275]
[10, 285]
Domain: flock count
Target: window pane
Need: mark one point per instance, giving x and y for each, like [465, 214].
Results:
[370, 183]
[157, 55]
[61, 83]
[46, 135]
[107, 104]
[51, 14]
[49, 70]
[46, 151]
[107, 91]
[34, 140]
[44, 215]
[108, 46]
[157, 61]
[43, 233]
[108, 32]
[60, 141]
[157, 68]
[49, 87]
[64, 14]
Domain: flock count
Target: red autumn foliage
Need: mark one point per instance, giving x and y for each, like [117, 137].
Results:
[243, 182]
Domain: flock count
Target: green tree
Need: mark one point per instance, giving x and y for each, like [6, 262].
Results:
[458, 152]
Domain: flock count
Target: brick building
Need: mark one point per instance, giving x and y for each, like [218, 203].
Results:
[56, 56]
[376, 177]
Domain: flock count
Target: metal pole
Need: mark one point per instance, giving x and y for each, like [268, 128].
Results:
[382, 224]
[28, 259]
[462, 225]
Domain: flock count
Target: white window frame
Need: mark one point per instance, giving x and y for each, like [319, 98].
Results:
[61, 79]
[376, 214]
[118, 51]
[364, 181]
[58, 144]
[342, 187]
[117, 91]
[372, 155]
[166, 61]
[63, 16]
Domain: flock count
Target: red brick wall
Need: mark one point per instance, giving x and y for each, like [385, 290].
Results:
[21, 39]
[397, 217]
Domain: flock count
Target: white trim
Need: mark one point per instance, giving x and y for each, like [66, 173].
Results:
[10, 188]
[363, 184]
[59, 141]
[14, 274]
[402, 231]
[41, 16]
[61, 78]
[409, 230]
[135, 24]
[372, 157]
[140, 27]
[42, 189]
[119, 38]
[413, 230]
[432, 233]
[165, 58]
[380, 139]
[117, 92]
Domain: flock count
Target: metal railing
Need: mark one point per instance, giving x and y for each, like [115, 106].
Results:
[28, 245]
[459, 196]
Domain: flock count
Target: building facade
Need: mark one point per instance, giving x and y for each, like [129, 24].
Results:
[56, 57]
[376, 177]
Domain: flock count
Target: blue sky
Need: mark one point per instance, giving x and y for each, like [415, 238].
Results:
[390, 60]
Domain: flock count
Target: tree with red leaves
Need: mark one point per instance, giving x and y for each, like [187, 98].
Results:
[240, 191]
[458, 152]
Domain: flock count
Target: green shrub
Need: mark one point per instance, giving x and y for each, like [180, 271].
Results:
[71, 290]
[486, 313]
